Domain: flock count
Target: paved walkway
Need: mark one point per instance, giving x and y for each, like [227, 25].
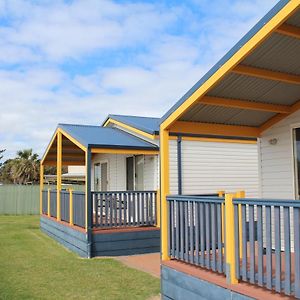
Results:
[149, 263]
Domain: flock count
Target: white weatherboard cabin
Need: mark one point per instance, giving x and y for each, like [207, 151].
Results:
[121, 201]
[232, 246]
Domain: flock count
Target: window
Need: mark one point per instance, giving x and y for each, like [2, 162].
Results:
[100, 177]
[296, 135]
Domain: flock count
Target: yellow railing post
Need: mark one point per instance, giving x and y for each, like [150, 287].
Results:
[165, 189]
[49, 214]
[240, 194]
[158, 208]
[58, 172]
[41, 187]
[230, 240]
[221, 194]
[71, 207]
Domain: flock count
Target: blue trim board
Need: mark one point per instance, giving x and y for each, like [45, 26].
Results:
[70, 238]
[177, 285]
[102, 244]
[281, 4]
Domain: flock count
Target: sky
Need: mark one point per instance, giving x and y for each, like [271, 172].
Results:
[78, 61]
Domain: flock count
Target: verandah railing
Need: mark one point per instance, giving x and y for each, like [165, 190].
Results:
[196, 230]
[267, 251]
[72, 206]
[259, 240]
[124, 209]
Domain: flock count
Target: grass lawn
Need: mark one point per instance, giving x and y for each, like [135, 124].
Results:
[33, 266]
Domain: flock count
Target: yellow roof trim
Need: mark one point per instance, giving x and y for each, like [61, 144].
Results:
[214, 140]
[73, 140]
[49, 146]
[124, 151]
[247, 48]
[125, 126]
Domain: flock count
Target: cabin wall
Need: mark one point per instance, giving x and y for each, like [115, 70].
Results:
[208, 167]
[276, 161]
[117, 171]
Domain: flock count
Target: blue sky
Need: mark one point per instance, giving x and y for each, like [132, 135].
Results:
[78, 61]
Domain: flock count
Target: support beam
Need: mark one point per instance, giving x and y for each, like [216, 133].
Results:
[289, 30]
[165, 190]
[266, 74]
[124, 151]
[58, 171]
[88, 202]
[179, 164]
[245, 104]
[41, 187]
[214, 129]
[271, 122]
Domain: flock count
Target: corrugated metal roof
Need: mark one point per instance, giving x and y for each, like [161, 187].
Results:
[278, 53]
[256, 89]
[146, 124]
[294, 20]
[278, 7]
[226, 115]
[105, 137]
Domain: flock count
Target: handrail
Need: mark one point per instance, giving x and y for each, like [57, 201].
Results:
[267, 202]
[113, 192]
[213, 199]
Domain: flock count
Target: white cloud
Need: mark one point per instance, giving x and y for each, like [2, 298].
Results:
[167, 49]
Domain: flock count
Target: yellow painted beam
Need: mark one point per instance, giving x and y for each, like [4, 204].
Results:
[48, 147]
[165, 190]
[234, 60]
[49, 214]
[214, 129]
[71, 207]
[289, 30]
[128, 127]
[124, 151]
[158, 204]
[86, 191]
[214, 140]
[244, 104]
[41, 187]
[266, 74]
[58, 171]
[230, 240]
[73, 140]
[279, 117]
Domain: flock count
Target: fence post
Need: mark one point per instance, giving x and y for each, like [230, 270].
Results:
[240, 194]
[221, 194]
[49, 214]
[71, 207]
[230, 240]
[158, 208]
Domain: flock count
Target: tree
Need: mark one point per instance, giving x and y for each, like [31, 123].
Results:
[24, 168]
[1, 156]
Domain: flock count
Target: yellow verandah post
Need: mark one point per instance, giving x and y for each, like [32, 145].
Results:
[240, 194]
[230, 240]
[165, 188]
[41, 187]
[71, 207]
[58, 172]
[158, 208]
[49, 214]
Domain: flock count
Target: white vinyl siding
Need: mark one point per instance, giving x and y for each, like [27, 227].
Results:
[208, 167]
[276, 161]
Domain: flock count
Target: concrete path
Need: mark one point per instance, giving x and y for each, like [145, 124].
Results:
[149, 263]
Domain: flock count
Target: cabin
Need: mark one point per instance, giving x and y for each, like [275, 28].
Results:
[120, 163]
[235, 245]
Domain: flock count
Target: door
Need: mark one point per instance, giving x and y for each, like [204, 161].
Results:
[296, 142]
[100, 177]
[129, 174]
[139, 172]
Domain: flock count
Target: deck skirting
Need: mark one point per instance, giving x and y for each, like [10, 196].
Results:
[105, 242]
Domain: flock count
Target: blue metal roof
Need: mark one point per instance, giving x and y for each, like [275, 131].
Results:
[223, 60]
[105, 137]
[146, 124]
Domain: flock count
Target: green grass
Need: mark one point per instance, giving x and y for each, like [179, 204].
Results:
[33, 266]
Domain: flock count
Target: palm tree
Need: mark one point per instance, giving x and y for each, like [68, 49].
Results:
[26, 167]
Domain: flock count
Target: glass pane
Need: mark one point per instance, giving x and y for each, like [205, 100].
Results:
[129, 174]
[104, 177]
[139, 172]
[97, 176]
[297, 159]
